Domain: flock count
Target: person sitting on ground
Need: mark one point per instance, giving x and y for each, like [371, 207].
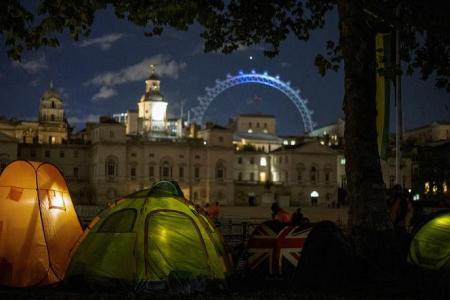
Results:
[297, 217]
[279, 214]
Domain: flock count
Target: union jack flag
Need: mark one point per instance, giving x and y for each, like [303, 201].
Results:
[277, 249]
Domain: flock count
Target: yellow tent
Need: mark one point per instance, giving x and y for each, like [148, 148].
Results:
[38, 224]
[150, 240]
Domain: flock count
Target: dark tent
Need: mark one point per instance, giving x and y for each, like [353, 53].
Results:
[328, 260]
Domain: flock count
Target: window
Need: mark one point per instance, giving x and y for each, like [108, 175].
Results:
[265, 125]
[121, 221]
[111, 167]
[313, 175]
[133, 154]
[51, 140]
[220, 171]
[257, 124]
[252, 176]
[133, 172]
[220, 174]
[56, 200]
[181, 172]
[47, 153]
[342, 161]
[262, 176]
[240, 160]
[250, 124]
[52, 117]
[197, 156]
[197, 173]
[263, 162]
[151, 155]
[240, 176]
[75, 172]
[151, 171]
[220, 139]
[299, 176]
[252, 160]
[327, 177]
[61, 154]
[53, 104]
[166, 170]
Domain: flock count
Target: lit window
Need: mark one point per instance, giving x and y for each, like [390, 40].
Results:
[427, 187]
[263, 162]
[285, 142]
[342, 161]
[435, 188]
[444, 187]
[56, 200]
[292, 142]
[262, 176]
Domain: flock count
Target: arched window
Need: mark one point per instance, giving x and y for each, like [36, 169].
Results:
[165, 170]
[111, 167]
[53, 104]
[313, 175]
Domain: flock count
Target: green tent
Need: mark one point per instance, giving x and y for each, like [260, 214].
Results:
[430, 245]
[150, 240]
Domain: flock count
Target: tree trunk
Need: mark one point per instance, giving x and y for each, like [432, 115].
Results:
[367, 212]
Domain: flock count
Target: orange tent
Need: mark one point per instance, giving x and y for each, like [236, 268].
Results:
[38, 224]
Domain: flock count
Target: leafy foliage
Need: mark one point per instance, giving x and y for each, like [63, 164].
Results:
[229, 25]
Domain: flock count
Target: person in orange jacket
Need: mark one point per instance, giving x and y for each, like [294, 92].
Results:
[280, 214]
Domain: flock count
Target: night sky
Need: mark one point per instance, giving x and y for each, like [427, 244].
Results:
[105, 74]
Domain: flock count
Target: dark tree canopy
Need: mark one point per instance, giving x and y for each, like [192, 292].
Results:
[425, 25]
